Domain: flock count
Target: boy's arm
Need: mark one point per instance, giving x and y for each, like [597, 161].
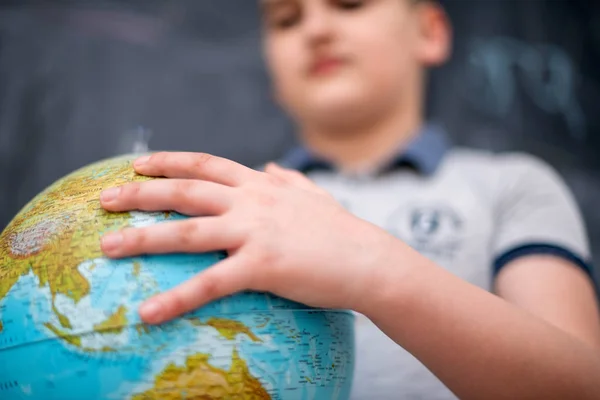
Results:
[287, 237]
[542, 339]
[555, 290]
[542, 257]
[480, 345]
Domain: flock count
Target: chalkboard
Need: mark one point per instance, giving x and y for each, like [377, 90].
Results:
[525, 75]
[80, 81]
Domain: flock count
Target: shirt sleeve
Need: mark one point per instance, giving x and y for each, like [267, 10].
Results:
[537, 214]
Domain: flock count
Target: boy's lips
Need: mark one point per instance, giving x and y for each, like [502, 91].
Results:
[325, 65]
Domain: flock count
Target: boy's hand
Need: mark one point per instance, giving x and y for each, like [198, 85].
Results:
[283, 234]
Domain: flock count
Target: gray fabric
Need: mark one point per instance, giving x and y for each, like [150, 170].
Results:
[476, 206]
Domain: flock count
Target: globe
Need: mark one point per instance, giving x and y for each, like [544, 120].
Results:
[69, 327]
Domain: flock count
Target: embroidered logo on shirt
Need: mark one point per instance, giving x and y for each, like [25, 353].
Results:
[434, 231]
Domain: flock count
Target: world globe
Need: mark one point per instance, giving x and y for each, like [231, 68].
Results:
[69, 327]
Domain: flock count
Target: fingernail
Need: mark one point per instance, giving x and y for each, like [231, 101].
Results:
[109, 195]
[111, 241]
[151, 311]
[141, 161]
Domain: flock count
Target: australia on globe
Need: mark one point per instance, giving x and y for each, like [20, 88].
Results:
[69, 327]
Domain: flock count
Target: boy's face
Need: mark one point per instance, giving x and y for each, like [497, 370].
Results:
[347, 58]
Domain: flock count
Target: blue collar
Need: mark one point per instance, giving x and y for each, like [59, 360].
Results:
[424, 154]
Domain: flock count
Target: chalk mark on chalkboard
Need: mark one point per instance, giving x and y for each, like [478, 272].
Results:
[546, 73]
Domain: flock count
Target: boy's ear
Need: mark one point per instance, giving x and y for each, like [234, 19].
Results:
[435, 34]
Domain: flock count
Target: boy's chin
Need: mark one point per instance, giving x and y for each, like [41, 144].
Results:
[336, 102]
[342, 114]
[338, 99]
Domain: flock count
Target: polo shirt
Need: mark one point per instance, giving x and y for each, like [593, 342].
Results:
[470, 211]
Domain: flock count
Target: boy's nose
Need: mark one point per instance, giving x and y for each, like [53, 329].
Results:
[318, 22]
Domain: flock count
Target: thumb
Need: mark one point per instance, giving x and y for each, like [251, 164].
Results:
[223, 279]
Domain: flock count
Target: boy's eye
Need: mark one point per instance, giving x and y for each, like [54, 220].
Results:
[350, 4]
[284, 16]
[288, 21]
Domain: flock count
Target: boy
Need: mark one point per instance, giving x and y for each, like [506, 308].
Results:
[419, 236]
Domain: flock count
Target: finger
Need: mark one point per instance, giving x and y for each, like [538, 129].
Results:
[290, 176]
[186, 196]
[195, 166]
[194, 235]
[293, 177]
[225, 278]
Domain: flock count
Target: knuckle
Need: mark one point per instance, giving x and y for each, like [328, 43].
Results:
[131, 191]
[158, 158]
[134, 239]
[264, 223]
[259, 225]
[182, 190]
[210, 287]
[186, 234]
[183, 196]
[260, 194]
[177, 302]
[264, 255]
[201, 160]
[266, 269]
[257, 279]
[267, 200]
[275, 180]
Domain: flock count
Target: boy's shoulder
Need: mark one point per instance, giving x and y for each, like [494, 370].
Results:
[504, 165]
[488, 159]
[504, 174]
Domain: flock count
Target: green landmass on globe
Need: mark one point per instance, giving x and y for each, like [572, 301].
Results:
[44, 224]
[64, 306]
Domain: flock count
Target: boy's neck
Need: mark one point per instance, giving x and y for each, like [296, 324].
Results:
[366, 145]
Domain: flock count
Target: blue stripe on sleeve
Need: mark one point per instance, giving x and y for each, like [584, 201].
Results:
[542, 249]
